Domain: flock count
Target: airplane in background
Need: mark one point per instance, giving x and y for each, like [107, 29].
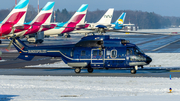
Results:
[40, 23]
[119, 24]
[106, 26]
[75, 23]
[15, 18]
[104, 22]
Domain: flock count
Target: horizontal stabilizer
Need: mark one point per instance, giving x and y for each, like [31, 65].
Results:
[80, 25]
[47, 26]
[26, 57]
[101, 26]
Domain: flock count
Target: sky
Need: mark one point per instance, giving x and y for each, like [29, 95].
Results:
[161, 7]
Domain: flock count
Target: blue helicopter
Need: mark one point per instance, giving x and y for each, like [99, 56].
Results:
[96, 51]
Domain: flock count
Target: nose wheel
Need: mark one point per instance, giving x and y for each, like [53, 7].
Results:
[133, 71]
[77, 70]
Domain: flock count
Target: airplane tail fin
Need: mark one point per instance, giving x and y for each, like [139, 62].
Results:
[22, 49]
[44, 16]
[79, 16]
[107, 17]
[17, 15]
[120, 21]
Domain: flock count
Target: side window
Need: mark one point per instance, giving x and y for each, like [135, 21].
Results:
[95, 53]
[108, 52]
[83, 53]
[114, 53]
[129, 52]
[72, 53]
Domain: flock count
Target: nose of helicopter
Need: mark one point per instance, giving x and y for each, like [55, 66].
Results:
[148, 59]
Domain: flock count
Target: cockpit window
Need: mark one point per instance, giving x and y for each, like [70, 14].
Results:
[129, 51]
[138, 51]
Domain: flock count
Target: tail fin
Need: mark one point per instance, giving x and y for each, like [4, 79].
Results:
[45, 15]
[17, 15]
[120, 21]
[19, 45]
[107, 17]
[79, 16]
[22, 49]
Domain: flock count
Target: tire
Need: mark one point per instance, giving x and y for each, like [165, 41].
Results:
[77, 70]
[41, 41]
[0, 42]
[133, 71]
[68, 36]
[90, 70]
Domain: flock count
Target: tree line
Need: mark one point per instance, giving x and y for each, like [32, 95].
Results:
[145, 20]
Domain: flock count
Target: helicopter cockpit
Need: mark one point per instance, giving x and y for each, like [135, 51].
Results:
[135, 54]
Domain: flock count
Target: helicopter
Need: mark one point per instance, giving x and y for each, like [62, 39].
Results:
[94, 51]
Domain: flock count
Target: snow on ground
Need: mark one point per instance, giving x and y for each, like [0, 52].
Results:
[164, 60]
[2, 60]
[60, 64]
[159, 60]
[55, 88]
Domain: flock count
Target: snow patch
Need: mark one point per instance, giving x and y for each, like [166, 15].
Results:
[2, 60]
[56, 88]
[164, 60]
[60, 64]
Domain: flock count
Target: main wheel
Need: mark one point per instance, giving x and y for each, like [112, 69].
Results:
[77, 70]
[90, 70]
[133, 71]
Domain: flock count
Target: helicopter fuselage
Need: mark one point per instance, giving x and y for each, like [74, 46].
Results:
[90, 52]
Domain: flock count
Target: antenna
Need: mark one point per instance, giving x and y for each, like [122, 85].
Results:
[38, 6]
[15, 2]
[54, 16]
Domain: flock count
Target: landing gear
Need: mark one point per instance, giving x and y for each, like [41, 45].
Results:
[77, 70]
[66, 35]
[133, 71]
[90, 70]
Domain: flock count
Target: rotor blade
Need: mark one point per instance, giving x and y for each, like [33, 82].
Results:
[148, 33]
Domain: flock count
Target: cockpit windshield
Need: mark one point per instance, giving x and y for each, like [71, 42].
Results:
[138, 51]
[134, 51]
